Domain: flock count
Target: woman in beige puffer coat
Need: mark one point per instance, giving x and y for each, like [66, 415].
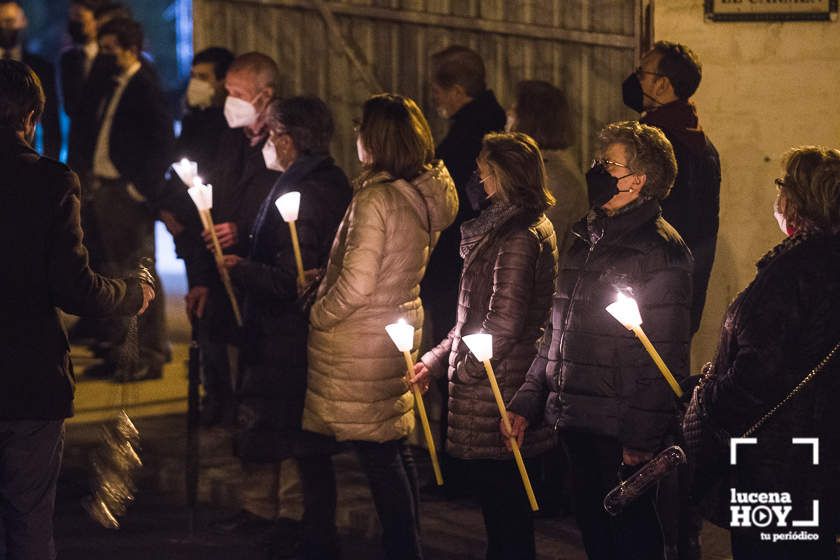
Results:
[355, 387]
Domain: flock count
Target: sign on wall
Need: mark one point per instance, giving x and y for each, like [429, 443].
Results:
[771, 10]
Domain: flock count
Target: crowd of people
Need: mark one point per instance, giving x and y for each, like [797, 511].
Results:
[494, 229]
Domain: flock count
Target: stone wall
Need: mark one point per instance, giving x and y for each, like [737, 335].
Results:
[766, 86]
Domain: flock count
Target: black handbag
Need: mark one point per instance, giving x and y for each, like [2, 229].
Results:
[707, 447]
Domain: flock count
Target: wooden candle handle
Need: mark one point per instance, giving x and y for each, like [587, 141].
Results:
[517, 454]
[657, 359]
[207, 220]
[424, 419]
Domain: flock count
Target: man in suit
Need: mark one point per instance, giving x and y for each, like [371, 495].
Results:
[125, 150]
[460, 94]
[48, 271]
[76, 62]
[13, 25]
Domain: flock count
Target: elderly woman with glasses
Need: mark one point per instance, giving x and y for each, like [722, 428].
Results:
[591, 379]
[776, 333]
[271, 389]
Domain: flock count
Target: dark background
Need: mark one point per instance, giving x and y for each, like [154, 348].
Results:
[168, 38]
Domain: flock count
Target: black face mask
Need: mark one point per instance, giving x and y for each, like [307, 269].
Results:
[9, 38]
[632, 94]
[107, 65]
[600, 186]
[76, 29]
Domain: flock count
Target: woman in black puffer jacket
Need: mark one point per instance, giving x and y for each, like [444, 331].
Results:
[592, 380]
[510, 263]
[775, 332]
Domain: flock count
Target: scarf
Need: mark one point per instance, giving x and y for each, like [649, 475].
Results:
[473, 231]
[679, 122]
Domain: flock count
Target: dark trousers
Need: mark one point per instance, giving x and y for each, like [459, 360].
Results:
[507, 514]
[634, 534]
[127, 234]
[320, 537]
[392, 475]
[30, 459]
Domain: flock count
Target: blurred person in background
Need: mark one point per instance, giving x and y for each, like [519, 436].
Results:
[459, 92]
[76, 62]
[13, 24]
[541, 111]
[126, 153]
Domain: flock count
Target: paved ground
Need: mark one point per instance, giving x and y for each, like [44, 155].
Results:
[157, 525]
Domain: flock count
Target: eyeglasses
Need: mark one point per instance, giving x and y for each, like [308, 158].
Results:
[606, 163]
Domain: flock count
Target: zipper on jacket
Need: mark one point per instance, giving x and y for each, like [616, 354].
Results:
[568, 313]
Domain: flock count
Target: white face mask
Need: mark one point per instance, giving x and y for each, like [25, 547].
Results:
[780, 218]
[239, 112]
[361, 152]
[269, 153]
[200, 93]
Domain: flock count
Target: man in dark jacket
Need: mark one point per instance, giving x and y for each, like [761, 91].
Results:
[48, 270]
[13, 25]
[592, 380]
[76, 62]
[127, 152]
[661, 89]
[459, 90]
[240, 182]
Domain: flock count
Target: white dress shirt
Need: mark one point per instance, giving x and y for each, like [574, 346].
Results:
[103, 167]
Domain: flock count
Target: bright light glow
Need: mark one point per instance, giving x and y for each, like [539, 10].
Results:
[187, 170]
[480, 344]
[626, 311]
[289, 204]
[202, 195]
[402, 334]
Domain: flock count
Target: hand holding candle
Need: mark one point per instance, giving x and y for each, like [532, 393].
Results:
[626, 311]
[289, 205]
[481, 345]
[403, 336]
[202, 196]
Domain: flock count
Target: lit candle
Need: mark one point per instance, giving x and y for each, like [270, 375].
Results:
[403, 336]
[481, 345]
[289, 205]
[626, 311]
[202, 197]
[187, 170]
